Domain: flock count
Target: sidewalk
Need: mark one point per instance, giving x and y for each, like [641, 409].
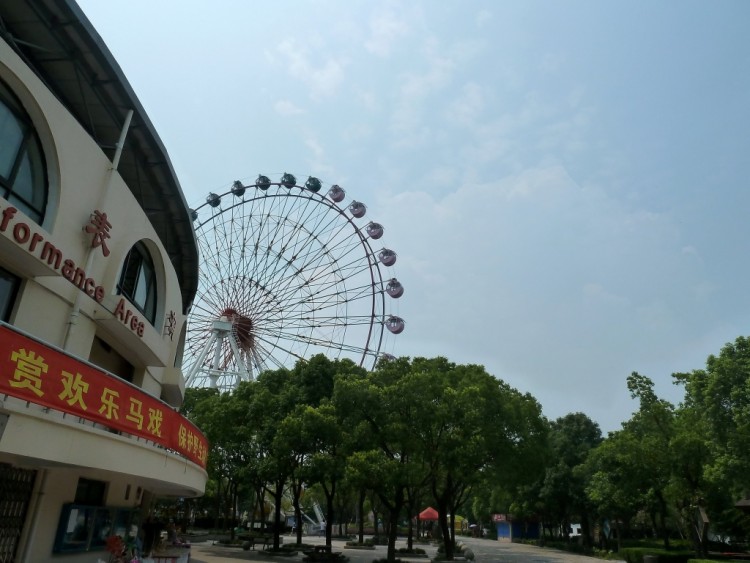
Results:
[208, 552]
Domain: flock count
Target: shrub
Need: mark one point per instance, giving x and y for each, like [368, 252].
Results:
[636, 554]
[377, 540]
[416, 550]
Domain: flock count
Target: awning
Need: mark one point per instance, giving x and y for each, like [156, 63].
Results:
[428, 513]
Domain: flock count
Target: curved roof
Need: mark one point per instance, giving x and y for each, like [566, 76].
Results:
[59, 43]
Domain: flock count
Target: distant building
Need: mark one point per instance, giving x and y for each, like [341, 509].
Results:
[98, 267]
[509, 528]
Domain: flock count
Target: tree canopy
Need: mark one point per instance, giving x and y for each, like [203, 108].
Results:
[426, 431]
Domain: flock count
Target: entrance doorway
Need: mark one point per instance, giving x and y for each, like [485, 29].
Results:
[16, 486]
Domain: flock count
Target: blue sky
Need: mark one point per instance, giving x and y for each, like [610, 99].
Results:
[565, 183]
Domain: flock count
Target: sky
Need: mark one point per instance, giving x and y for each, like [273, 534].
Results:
[565, 183]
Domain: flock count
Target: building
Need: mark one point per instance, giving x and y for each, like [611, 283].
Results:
[508, 528]
[98, 268]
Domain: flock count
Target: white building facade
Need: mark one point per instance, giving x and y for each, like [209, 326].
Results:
[98, 268]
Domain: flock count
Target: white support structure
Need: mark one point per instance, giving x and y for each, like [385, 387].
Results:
[222, 331]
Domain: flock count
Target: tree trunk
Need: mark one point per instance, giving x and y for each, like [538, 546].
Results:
[233, 496]
[361, 515]
[410, 536]
[297, 492]
[393, 514]
[261, 509]
[664, 532]
[442, 508]
[585, 530]
[619, 535]
[392, 535]
[217, 508]
[278, 496]
[330, 514]
[452, 523]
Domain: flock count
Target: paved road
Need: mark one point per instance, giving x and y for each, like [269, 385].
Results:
[486, 551]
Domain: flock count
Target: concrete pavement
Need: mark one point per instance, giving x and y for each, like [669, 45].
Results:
[486, 551]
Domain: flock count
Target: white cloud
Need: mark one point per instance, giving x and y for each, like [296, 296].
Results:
[317, 161]
[322, 79]
[385, 29]
[416, 86]
[561, 287]
[287, 108]
[483, 17]
[466, 109]
[410, 109]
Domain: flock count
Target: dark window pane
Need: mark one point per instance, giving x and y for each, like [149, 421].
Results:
[8, 290]
[138, 281]
[90, 492]
[23, 171]
[11, 136]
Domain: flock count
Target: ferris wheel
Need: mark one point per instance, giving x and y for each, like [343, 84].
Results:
[287, 272]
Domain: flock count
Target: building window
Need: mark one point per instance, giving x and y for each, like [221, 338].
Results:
[90, 492]
[8, 291]
[104, 356]
[138, 281]
[23, 171]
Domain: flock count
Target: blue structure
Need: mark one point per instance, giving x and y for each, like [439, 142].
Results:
[509, 529]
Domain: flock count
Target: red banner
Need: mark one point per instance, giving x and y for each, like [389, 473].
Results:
[38, 373]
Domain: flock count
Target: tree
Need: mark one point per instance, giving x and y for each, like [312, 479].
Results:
[324, 435]
[381, 412]
[653, 428]
[635, 468]
[717, 408]
[571, 438]
[472, 427]
[214, 414]
[611, 485]
[437, 423]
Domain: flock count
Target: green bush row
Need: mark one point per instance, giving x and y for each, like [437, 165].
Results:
[636, 554]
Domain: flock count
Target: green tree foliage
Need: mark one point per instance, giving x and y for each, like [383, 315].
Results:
[652, 426]
[571, 438]
[715, 416]
[380, 411]
[721, 393]
[612, 485]
[431, 422]
[428, 431]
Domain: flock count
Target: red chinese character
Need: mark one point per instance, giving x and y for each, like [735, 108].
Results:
[170, 324]
[99, 227]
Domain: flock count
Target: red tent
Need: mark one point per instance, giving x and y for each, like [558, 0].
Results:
[428, 513]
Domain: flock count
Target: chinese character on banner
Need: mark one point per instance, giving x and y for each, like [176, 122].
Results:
[109, 407]
[182, 437]
[170, 324]
[99, 227]
[155, 418]
[74, 388]
[136, 413]
[29, 370]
